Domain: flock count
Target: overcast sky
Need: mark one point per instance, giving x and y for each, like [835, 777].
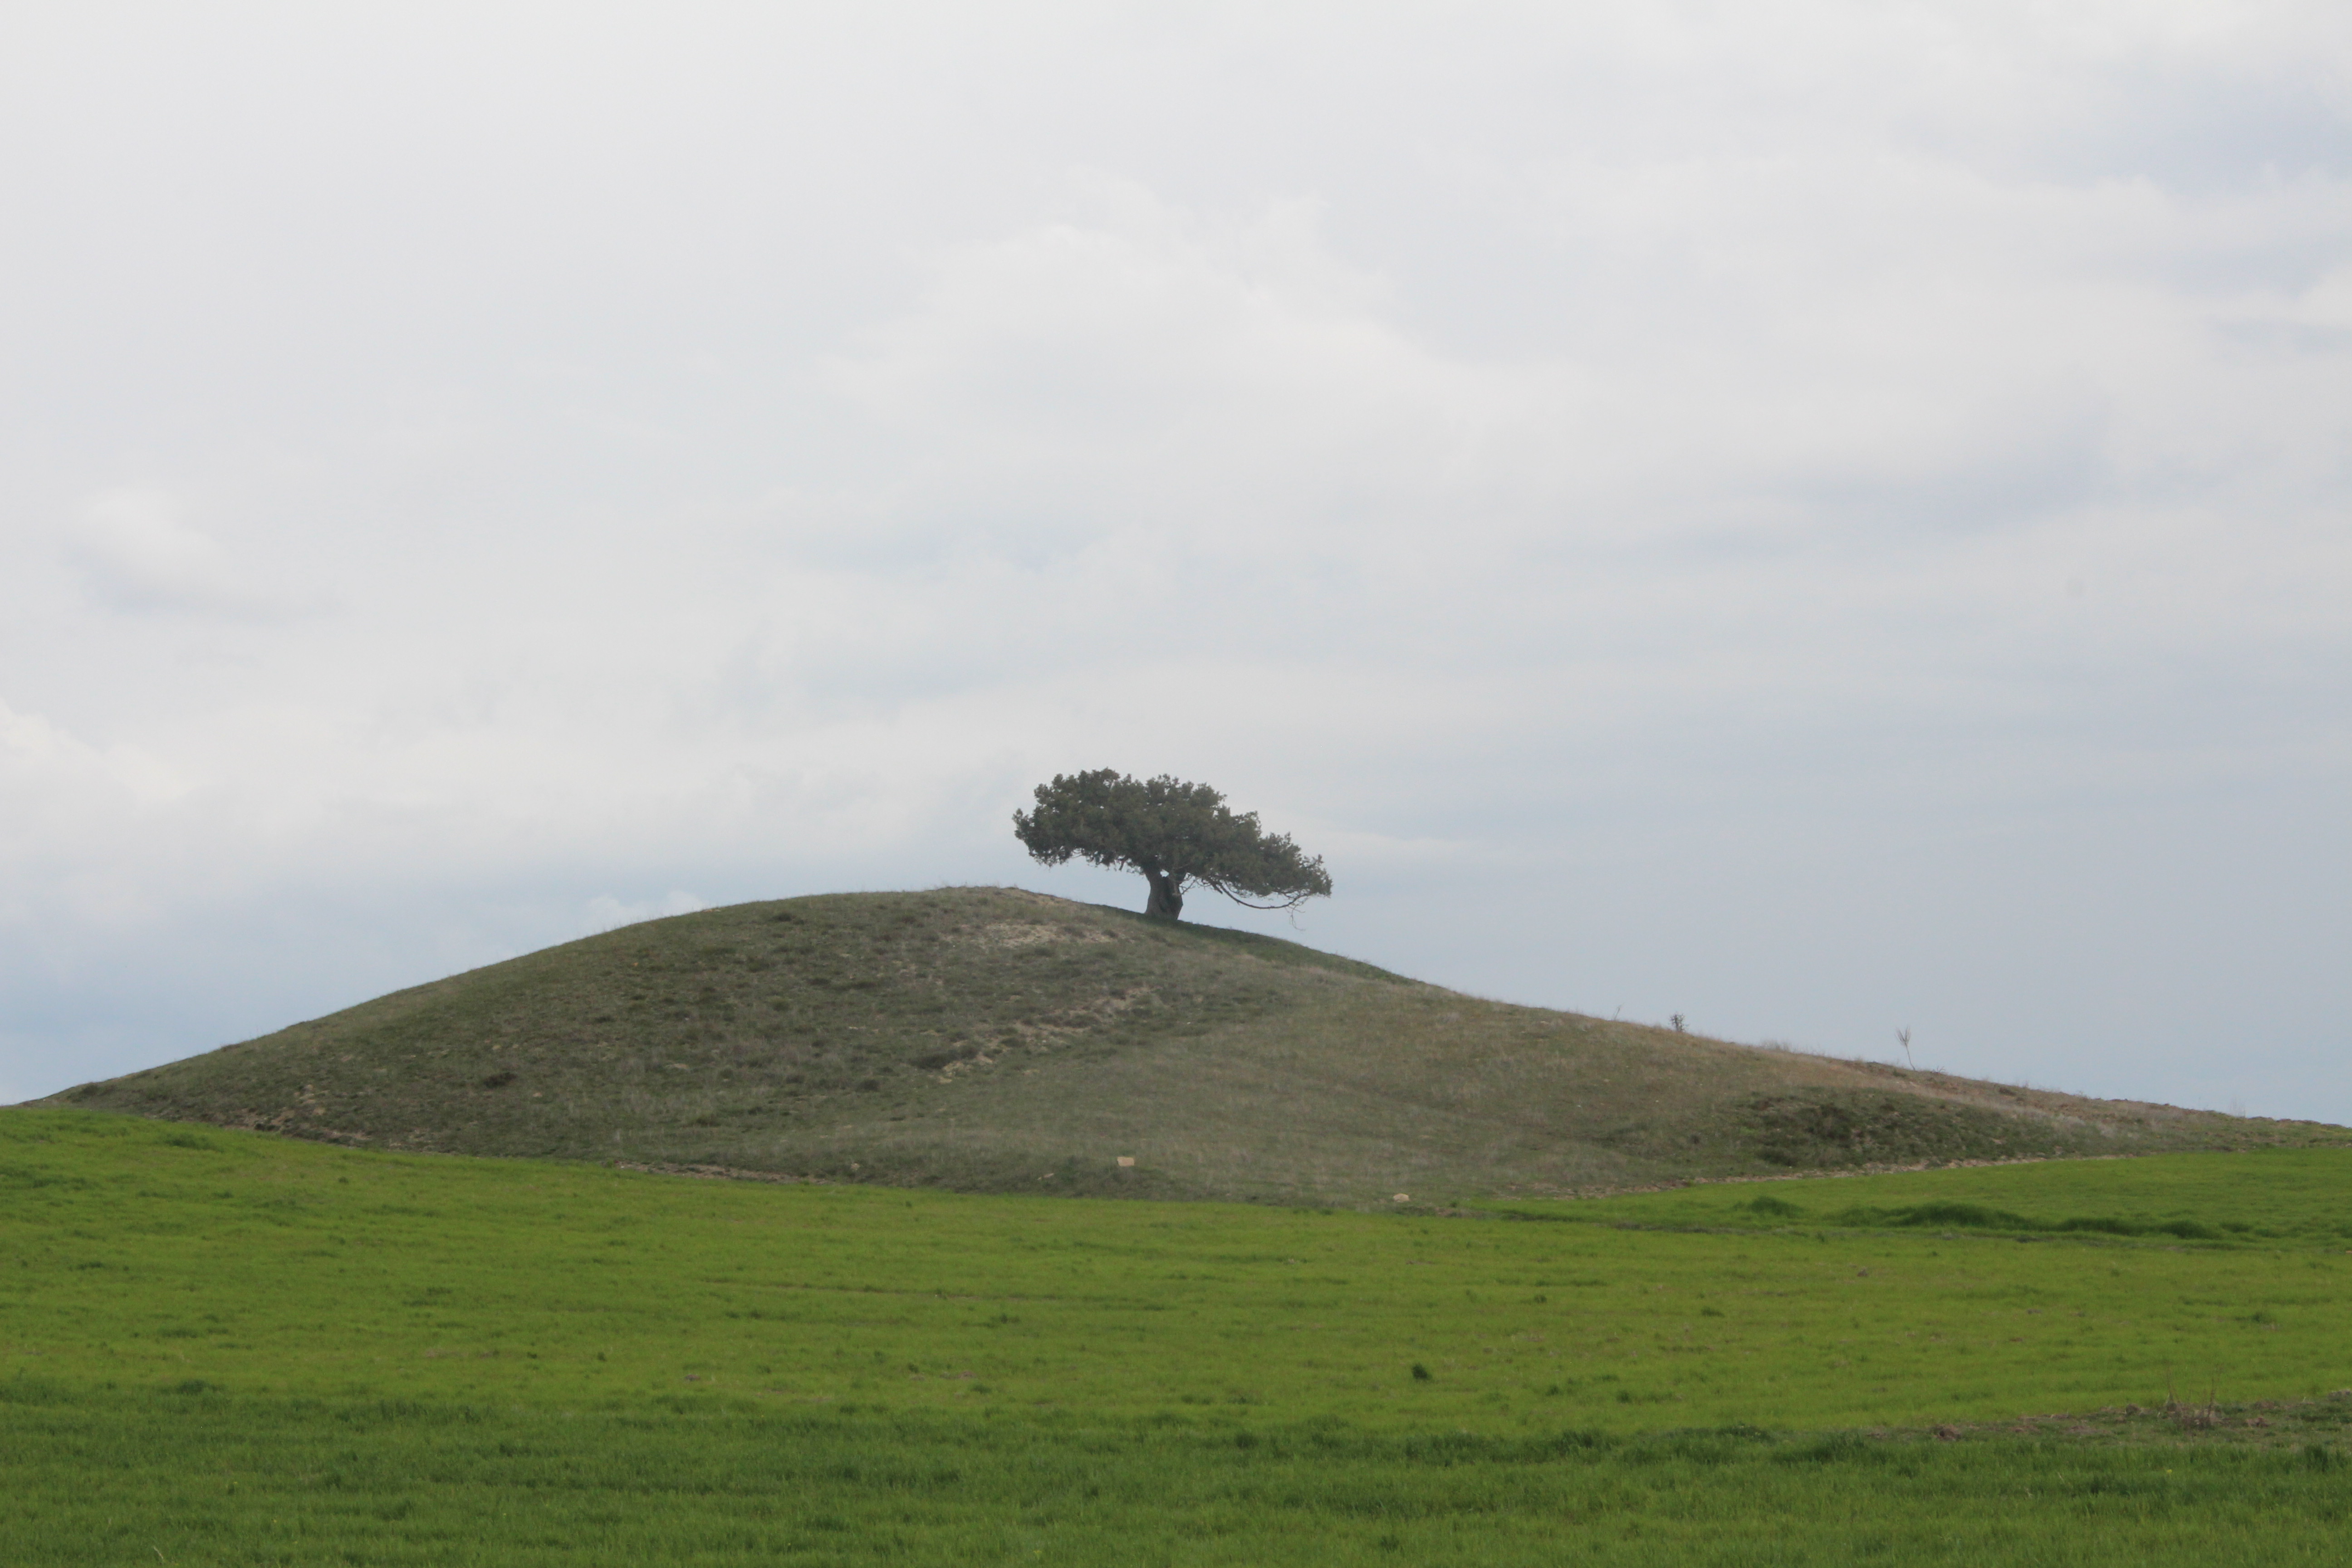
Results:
[1820, 518]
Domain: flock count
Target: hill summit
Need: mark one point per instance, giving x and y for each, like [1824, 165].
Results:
[995, 1039]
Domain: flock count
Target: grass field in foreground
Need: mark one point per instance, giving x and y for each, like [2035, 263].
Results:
[219, 1479]
[228, 1348]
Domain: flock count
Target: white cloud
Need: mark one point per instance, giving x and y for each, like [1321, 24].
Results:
[136, 553]
[36, 754]
[1710, 506]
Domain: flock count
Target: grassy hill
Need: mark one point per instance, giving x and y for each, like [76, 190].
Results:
[993, 1039]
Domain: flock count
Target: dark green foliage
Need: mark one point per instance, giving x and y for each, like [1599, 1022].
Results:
[1976, 1216]
[1172, 832]
[1818, 1128]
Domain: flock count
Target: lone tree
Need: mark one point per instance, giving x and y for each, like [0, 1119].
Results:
[1174, 833]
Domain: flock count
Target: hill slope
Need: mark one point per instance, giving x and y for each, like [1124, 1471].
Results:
[996, 1039]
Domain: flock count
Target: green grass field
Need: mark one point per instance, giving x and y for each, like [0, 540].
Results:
[230, 1348]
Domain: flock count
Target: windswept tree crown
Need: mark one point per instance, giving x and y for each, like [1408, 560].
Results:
[1172, 832]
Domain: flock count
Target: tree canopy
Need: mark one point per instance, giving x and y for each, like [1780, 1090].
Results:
[1174, 833]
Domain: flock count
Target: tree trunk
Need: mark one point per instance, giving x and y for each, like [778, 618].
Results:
[1167, 895]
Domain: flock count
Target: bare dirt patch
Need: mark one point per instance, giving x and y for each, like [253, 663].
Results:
[1034, 933]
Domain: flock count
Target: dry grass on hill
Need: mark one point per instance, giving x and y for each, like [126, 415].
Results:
[993, 1039]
